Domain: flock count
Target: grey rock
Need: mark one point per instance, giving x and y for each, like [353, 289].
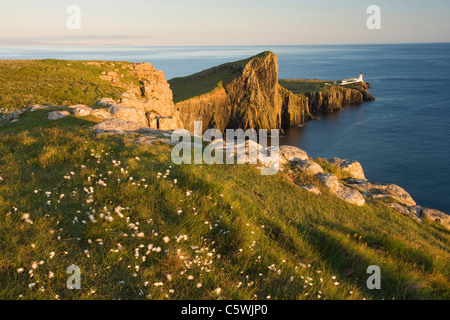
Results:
[379, 190]
[352, 167]
[129, 114]
[101, 114]
[117, 125]
[347, 194]
[81, 111]
[15, 115]
[436, 216]
[104, 102]
[292, 154]
[56, 115]
[309, 167]
[312, 189]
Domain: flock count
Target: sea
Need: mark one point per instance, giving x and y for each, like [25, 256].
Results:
[403, 137]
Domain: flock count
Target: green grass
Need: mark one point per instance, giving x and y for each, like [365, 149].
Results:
[57, 82]
[304, 86]
[206, 81]
[252, 236]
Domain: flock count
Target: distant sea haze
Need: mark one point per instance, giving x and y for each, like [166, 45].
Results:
[402, 137]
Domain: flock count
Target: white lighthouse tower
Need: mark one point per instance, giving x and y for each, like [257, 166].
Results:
[360, 77]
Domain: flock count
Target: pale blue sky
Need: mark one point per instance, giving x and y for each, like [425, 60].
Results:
[225, 22]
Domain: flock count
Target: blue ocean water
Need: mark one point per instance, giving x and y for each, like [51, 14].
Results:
[403, 137]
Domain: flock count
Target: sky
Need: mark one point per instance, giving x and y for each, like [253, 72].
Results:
[226, 22]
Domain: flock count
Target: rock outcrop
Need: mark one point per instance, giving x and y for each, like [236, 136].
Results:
[436, 216]
[128, 113]
[117, 125]
[100, 114]
[292, 154]
[312, 189]
[309, 167]
[347, 194]
[81, 110]
[15, 115]
[376, 190]
[352, 167]
[152, 97]
[336, 97]
[56, 115]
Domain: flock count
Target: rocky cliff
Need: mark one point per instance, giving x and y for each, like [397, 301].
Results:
[295, 110]
[246, 95]
[337, 96]
[151, 96]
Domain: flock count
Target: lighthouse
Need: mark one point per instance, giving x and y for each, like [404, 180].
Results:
[360, 77]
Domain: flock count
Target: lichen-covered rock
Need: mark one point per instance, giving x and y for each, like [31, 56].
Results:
[381, 190]
[412, 212]
[81, 110]
[436, 216]
[292, 154]
[56, 115]
[347, 194]
[312, 189]
[152, 96]
[352, 167]
[101, 114]
[117, 125]
[37, 107]
[15, 115]
[309, 167]
[128, 113]
[104, 102]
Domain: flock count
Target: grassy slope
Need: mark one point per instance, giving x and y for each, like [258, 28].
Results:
[205, 81]
[241, 227]
[56, 82]
[299, 86]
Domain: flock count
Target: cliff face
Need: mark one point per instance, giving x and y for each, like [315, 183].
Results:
[247, 96]
[213, 109]
[255, 99]
[336, 97]
[333, 100]
[295, 110]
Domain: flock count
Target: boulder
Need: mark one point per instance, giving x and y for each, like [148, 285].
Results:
[101, 114]
[352, 167]
[378, 190]
[56, 115]
[309, 167]
[347, 194]
[117, 125]
[312, 189]
[104, 102]
[412, 212]
[15, 115]
[37, 107]
[436, 216]
[81, 110]
[293, 154]
[129, 114]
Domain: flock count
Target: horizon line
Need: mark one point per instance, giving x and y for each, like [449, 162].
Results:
[217, 45]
